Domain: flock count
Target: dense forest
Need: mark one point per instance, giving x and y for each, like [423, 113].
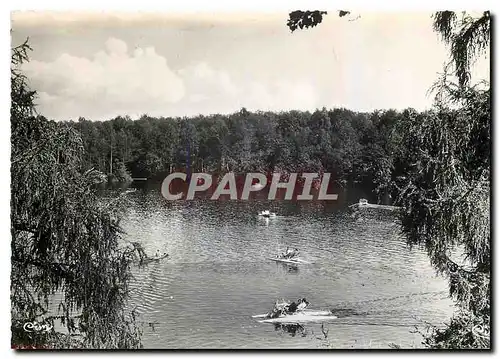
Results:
[356, 148]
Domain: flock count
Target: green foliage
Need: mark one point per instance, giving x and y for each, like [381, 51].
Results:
[447, 191]
[355, 147]
[305, 19]
[66, 245]
[465, 331]
[447, 201]
[22, 97]
[468, 37]
[120, 173]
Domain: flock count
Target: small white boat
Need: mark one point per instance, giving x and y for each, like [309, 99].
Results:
[309, 312]
[299, 317]
[363, 203]
[267, 214]
[290, 260]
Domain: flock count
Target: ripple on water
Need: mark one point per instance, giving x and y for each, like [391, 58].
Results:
[217, 276]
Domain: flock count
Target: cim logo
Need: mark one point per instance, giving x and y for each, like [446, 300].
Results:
[36, 327]
[177, 186]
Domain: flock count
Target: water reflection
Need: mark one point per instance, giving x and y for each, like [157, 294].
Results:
[219, 274]
[292, 329]
[287, 267]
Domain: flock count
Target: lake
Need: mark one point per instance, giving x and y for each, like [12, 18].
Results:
[218, 275]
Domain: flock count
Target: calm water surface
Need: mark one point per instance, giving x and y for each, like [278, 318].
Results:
[218, 276]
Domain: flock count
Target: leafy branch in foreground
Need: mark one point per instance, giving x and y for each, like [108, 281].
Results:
[447, 207]
[305, 19]
[445, 188]
[447, 197]
[66, 245]
[467, 36]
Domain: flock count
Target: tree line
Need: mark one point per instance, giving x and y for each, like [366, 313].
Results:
[356, 148]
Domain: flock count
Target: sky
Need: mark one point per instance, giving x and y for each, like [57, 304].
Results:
[102, 65]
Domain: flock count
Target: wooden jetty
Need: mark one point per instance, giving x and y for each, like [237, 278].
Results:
[363, 204]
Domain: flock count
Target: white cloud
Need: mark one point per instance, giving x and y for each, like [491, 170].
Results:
[117, 81]
[223, 63]
[113, 82]
[206, 81]
[284, 95]
[216, 92]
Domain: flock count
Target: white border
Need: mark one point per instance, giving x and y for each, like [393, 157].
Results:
[255, 5]
[174, 6]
